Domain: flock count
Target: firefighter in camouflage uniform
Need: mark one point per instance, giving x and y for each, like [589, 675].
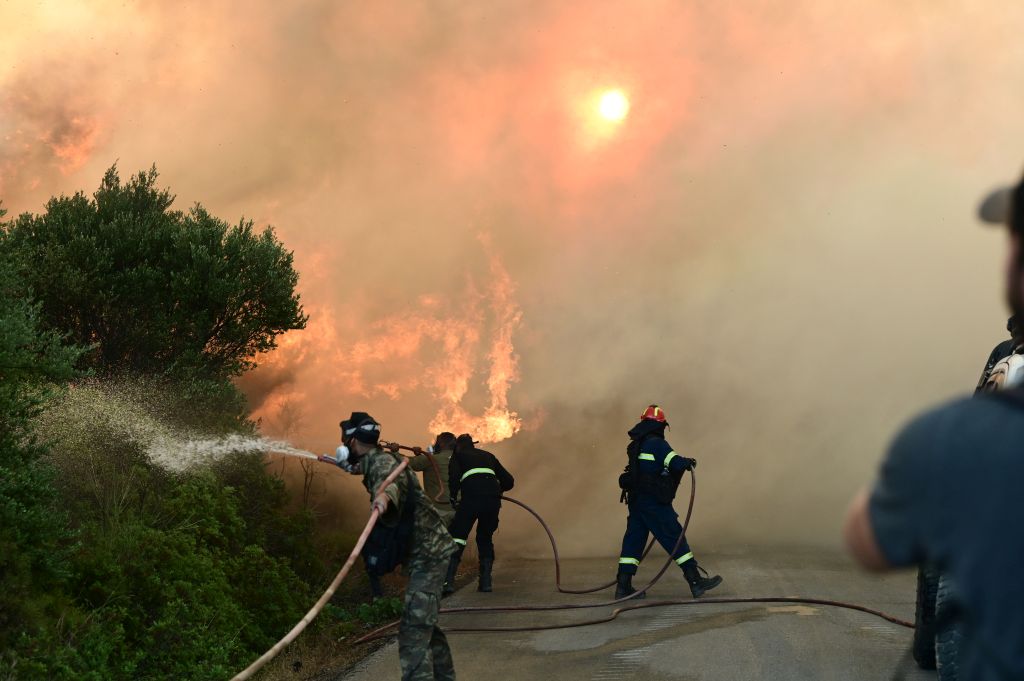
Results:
[422, 646]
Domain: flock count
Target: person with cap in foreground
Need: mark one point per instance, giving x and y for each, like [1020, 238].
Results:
[476, 480]
[649, 484]
[422, 647]
[949, 492]
[434, 466]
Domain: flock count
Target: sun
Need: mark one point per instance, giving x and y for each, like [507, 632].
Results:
[613, 105]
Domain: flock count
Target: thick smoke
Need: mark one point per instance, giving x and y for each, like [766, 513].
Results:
[776, 245]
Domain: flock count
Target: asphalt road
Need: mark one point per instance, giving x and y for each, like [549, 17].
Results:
[696, 643]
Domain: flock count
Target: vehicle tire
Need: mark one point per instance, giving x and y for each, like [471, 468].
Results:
[924, 617]
[947, 638]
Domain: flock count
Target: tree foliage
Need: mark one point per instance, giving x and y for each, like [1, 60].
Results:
[32, 532]
[112, 567]
[153, 289]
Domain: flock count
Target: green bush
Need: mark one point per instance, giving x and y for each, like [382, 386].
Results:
[113, 567]
[180, 568]
[155, 290]
[373, 614]
[33, 535]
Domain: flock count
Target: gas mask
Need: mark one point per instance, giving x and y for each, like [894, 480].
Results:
[347, 459]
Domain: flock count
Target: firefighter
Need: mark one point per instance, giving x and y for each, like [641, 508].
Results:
[422, 647]
[475, 482]
[435, 480]
[649, 484]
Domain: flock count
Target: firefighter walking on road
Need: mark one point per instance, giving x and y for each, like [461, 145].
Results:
[649, 485]
[476, 480]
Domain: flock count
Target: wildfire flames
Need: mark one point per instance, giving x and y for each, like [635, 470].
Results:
[497, 422]
[438, 347]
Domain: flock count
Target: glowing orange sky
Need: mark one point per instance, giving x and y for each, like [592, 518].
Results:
[781, 167]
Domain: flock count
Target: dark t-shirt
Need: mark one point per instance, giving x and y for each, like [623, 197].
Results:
[951, 491]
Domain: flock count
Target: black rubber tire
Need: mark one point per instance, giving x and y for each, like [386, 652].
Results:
[924, 617]
[947, 639]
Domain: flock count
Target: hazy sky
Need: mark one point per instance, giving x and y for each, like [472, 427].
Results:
[777, 244]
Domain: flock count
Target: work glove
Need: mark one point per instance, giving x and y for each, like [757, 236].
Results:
[380, 504]
[689, 464]
[417, 451]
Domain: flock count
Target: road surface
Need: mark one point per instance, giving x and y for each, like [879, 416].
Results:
[691, 643]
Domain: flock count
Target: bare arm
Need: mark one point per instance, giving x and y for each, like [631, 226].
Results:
[860, 535]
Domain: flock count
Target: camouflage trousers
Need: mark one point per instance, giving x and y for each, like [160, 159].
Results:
[422, 647]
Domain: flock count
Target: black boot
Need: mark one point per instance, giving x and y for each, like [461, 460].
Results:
[485, 574]
[624, 586]
[453, 567]
[375, 588]
[698, 582]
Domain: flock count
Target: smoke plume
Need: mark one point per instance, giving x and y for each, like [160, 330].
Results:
[776, 244]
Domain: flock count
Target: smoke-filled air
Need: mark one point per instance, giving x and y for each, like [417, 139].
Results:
[530, 220]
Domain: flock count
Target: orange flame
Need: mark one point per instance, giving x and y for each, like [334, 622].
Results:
[436, 348]
[498, 422]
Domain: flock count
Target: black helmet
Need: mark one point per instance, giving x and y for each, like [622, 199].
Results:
[362, 427]
[464, 443]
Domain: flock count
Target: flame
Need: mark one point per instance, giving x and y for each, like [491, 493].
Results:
[498, 422]
[437, 347]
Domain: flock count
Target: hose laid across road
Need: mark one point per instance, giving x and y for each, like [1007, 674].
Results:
[383, 631]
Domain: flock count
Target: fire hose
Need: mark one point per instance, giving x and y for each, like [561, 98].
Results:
[382, 631]
[394, 447]
[327, 595]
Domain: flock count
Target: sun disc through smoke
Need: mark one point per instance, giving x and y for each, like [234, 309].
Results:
[614, 105]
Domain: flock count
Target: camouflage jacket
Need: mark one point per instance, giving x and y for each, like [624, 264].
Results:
[431, 542]
[436, 490]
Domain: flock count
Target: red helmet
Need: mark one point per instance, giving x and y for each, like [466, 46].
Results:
[654, 413]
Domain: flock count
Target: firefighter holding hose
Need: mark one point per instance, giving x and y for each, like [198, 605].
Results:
[419, 541]
[476, 480]
[649, 485]
[434, 466]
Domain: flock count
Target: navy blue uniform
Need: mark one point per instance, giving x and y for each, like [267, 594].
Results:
[477, 479]
[649, 514]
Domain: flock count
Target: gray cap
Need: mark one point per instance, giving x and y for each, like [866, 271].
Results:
[997, 205]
